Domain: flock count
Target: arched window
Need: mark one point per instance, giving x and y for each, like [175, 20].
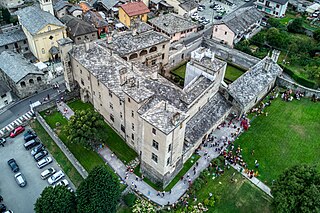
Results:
[39, 79]
[23, 84]
[133, 56]
[31, 81]
[152, 49]
[143, 52]
[125, 58]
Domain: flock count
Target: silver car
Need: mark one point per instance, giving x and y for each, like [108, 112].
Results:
[20, 179]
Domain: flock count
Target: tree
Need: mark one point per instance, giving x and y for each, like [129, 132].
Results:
[316, 35]
[297, 190]
[295, 26]
[143, 206]
[274, 22]
[55, 200]
[99, 192]
[6, 15]
[277, 38]
[83, 127]
[313, 72]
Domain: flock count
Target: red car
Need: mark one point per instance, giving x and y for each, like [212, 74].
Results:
[16, 131]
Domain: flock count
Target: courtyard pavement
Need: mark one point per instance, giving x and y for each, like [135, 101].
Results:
[207, 154]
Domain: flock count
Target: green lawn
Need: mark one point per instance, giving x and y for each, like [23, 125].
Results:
[112, 139]
[289, 135]
[232, 72]
[52, 147]
[180, 71]
[238, 196]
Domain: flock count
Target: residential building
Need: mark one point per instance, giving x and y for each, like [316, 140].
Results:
[174, 26]
[142, 44]
[14, 40]
[20, 75]
[78, 30]
[276, 8]
[184, 7]
[133, 11]
[242, 23]
[10, 4]
[61, 8]
[163, 123]
[312, 8]
[111, 7]
[95, 18]
[5, 94]
[42, 30]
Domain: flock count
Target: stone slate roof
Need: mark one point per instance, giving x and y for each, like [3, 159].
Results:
[208, 115]
[125, 42]
[108, 3]
[282, 2]
[77, 27]
[188, 5]
[95, 19]
[12, 37]
[34, 19]
[16, 66]
[3, 88]
[135, 8]
[74, 8]
[241, 19]
[251, 83]
[172, 23]
[60, 5]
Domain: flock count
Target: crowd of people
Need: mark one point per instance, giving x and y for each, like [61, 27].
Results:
[289, 95]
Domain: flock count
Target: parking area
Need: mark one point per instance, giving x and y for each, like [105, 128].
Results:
[225, 8]
[16, 198]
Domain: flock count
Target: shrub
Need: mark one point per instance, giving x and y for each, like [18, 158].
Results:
[129, 199]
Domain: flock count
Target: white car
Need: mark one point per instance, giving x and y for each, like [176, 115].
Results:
[45, 161]
[20, 179]
[47, 173]
[63, 182]
[55, 177]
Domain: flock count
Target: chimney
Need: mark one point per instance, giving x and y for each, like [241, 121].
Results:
[212, 56]
[267, 64]
[165, 106]
[123, 76]
[87, 45]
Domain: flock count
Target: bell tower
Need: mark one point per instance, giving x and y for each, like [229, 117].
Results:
[46, 5]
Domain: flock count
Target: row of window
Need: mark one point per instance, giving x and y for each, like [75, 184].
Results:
[31, 81]
[154, 157]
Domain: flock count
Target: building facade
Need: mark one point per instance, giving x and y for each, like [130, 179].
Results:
[133, 11]
[42, 35]
[22, 77]
[14, 40]
[9, 4]
[5, 94]
[276, 8]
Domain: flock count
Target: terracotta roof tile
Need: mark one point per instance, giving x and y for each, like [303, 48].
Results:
[135, 8]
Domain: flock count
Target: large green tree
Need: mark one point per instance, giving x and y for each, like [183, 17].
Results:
[56, 200]
[297, 190]
[99, 192]
[295, 26]
[316, 34]
[277, 38]
[84, 126]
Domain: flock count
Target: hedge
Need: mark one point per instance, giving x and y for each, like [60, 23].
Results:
[299, 79]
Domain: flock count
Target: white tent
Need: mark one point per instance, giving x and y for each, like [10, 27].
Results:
[313, 8]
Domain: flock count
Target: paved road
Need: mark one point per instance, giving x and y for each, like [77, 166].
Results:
[21, 107]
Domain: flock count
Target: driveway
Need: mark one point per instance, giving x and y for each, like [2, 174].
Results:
[16, 198]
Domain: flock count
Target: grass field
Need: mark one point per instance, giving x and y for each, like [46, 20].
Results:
[180, 71]
[289, 135]
[240, 196]
[232, 72]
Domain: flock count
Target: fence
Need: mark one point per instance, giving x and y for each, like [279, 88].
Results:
[294, 86]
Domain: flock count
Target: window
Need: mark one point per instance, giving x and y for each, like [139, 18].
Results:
[153, 62]
[225, 32]
[120, 102]
[154, 131]
[132, 136]
[152, 49]
[78, 38]
[168, 161]
[169, 148]
[111, 117]
[216, 29]
[23, 84]
[155, 144]
[43, 51]
[39, 79]
[6, 47]
[132, 113]
[99, 95]
[24, 42]
[93, 35]
[4, 95]
[132, 126]
[129, 100]
[111, 105]
[163, 46]
[110, 93]
[181, 125]
[80, 71]
[98, 82]
[31, 81]
[123, 129]
[162, 55]
[154, 157]
[51, 37]
[49, 28]
[26, 48]
[120, 114]
[277, 5]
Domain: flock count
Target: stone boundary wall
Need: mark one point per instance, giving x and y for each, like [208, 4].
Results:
[283, 82]
[62, 146]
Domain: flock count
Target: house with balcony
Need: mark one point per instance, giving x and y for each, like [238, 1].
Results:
[133, 11]
[242, 23]
[276, 8]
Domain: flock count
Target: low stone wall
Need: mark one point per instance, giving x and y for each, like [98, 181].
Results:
[62, 146]
[283, 82]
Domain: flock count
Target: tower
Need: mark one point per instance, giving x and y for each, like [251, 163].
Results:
[46, 5]
[65, 46]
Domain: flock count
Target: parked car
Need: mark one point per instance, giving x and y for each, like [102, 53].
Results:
[47, 173]
[16, 131]
[63, 182]
[30, 144]
[200, 9]
[37, 149]
[45, 161]
[29, 137]
[3, 208]
[41, 155]
[218, 17]
[20, 179]
[70, 189]
[8, 211]
[55, 177]
[13, 165]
